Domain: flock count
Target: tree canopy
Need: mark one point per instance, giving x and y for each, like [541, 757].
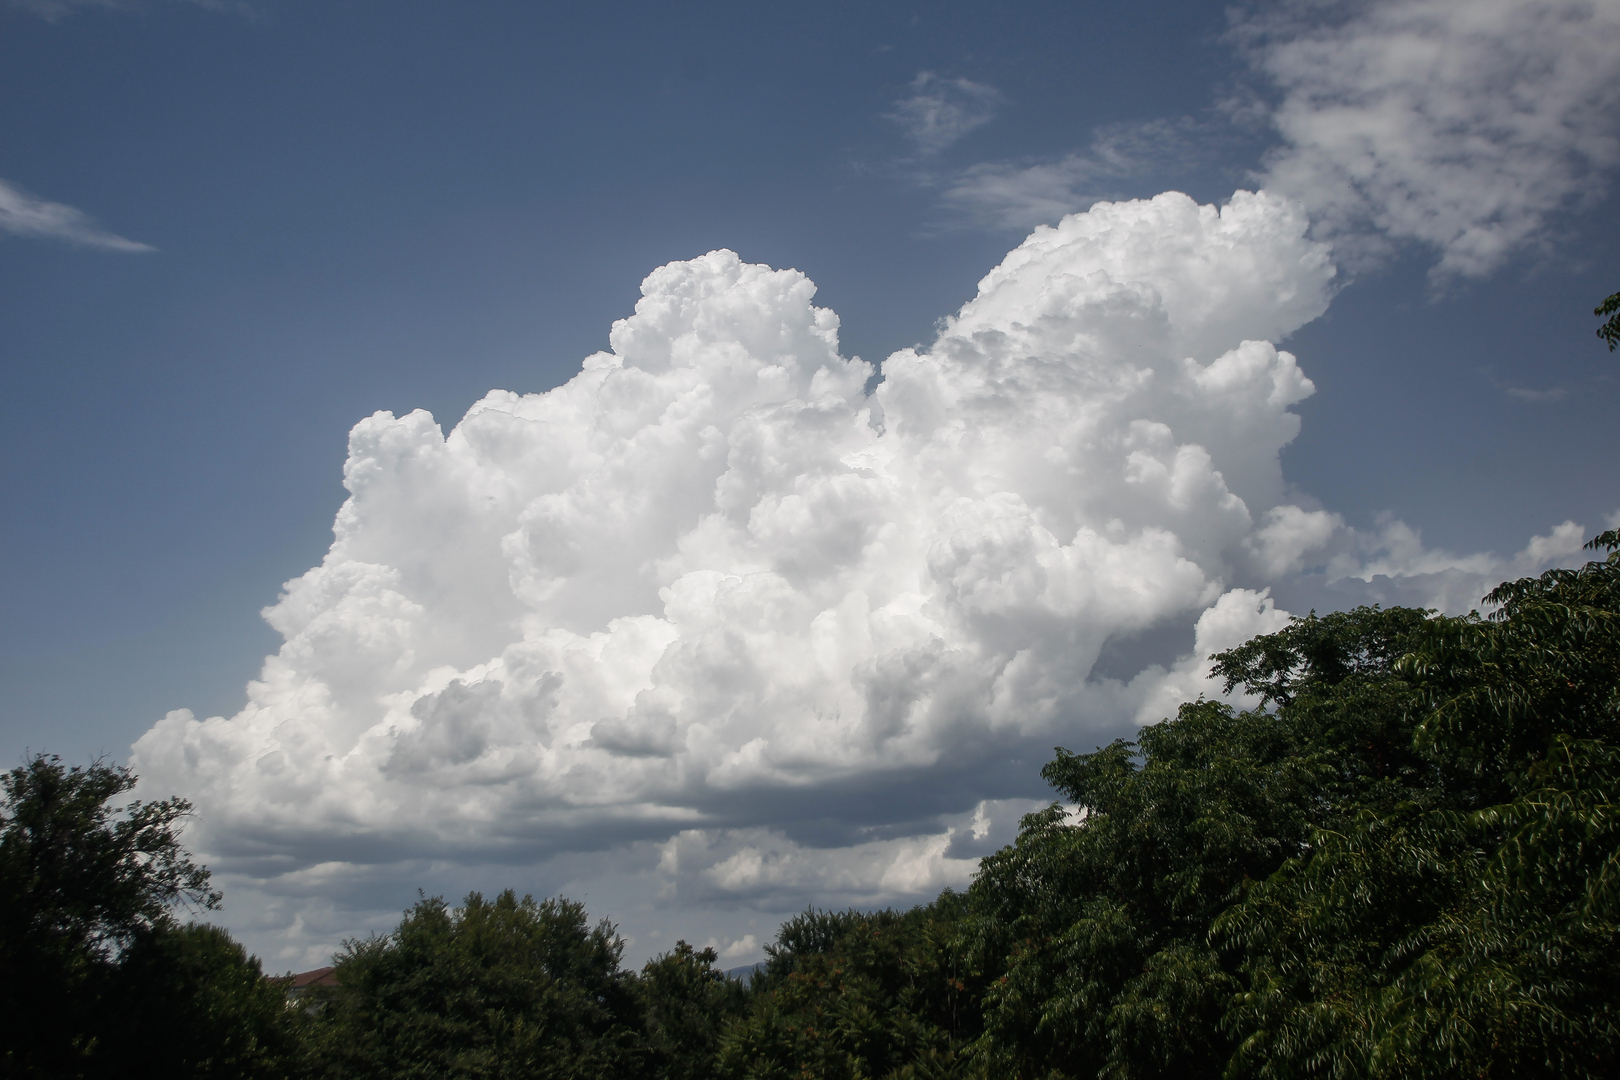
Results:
[506, 987]
[80, 881]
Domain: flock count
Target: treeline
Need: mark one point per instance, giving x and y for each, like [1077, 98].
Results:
[1404, 862]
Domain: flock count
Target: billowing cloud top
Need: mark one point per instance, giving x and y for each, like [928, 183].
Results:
[710, 587]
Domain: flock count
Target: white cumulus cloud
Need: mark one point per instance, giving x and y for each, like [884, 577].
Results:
[711, 602]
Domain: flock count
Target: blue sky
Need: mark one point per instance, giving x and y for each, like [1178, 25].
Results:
[229, 232]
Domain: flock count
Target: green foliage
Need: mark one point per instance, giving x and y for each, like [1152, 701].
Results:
[1610, 330]
[1317, 654]
[848, 995]
[687, 1003]
[187, 1001]
[79, 875]
[80, 882]
[1100, 927]
[501, 988]
[1470, 931]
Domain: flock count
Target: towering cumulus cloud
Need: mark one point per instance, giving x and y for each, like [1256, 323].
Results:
[710, 590]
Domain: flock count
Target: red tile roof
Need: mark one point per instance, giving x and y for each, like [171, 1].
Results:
[319, 977]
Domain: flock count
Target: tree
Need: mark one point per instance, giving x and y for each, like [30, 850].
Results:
[187, 1001]
[494, 988]
[1096, 930]
[1474, 932]
[847, 995]
[80, 882]
[1610, 330]
[687, 1004]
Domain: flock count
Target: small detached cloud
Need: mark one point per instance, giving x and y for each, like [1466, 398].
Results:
[22, 214]
[745, 947]
[1535, 395]
[1524, 393]
[761, 865]
[939, 111]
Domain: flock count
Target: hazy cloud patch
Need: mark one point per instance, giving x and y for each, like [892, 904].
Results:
[56, 10]
[1018, 196]
[938, 111]
[1464, 126]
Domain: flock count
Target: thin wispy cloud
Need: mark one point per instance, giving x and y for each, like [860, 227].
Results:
[1018, 196]
[1524, 393]
[57, 10]
[1556, 393]
[23, 214]
[939, 111]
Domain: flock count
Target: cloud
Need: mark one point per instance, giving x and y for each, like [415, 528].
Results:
[22, 214]
[715, 617]
[745, 946]
[1464, 126]
[1396, 550]
[939, 111]
[1021, 195]
[764, 865]
[57, 10]
[1233, 619]
[1555, 393]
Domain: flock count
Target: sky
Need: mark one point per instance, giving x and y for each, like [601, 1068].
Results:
[701, 458]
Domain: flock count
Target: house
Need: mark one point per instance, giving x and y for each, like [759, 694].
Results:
[297, 985]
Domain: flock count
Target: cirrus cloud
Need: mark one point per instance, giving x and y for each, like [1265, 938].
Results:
[22, 214]
[57, 10]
